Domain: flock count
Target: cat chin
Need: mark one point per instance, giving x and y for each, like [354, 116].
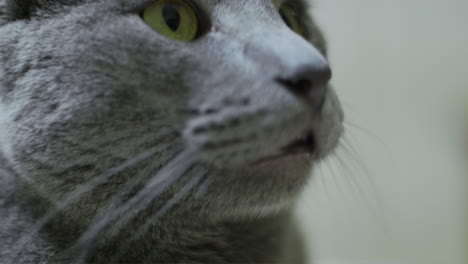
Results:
[259, 190]
[288, 163]
[274, 166]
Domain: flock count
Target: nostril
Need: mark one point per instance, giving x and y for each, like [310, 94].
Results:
[322, 77]
[300, 87]
[309, 83]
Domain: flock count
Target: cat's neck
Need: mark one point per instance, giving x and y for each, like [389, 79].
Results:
[271, 240]
[264, 240]
[176, 239]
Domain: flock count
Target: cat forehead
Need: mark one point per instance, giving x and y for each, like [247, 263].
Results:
[29, 3]
[253, 3]
[22, 8]
[275, 2]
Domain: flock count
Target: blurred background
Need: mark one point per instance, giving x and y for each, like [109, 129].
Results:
[396, 191]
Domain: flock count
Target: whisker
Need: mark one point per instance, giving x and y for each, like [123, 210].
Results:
[352, 153]
[323, 181]
[375, 207]
[203, 188]
[354, 183]
[195, 179]
[88, 150]
[82, 190]
[159, 183]
[366, 132]
[333, 176]
[151, 196]
[317, 174]
[181, 194]
[329, 198]
[78, 193]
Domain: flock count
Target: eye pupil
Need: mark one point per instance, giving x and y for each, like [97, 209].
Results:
[171, 17]
[174, 19]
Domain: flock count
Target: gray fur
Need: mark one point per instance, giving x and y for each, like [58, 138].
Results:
[3, 12]
[86, 86]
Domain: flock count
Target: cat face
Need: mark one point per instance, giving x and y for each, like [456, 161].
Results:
[87, 86]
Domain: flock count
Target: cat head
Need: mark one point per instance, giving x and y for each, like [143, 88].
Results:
[242, 86]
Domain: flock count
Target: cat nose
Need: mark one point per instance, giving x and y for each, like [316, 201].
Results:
[308, 82]
[292, 62]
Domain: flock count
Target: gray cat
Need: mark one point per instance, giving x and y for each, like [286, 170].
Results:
[159, 131]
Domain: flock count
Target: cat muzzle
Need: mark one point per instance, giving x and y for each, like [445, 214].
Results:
[305, 145]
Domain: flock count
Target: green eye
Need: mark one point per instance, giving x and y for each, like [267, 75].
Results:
[174, 19]
[290, 17]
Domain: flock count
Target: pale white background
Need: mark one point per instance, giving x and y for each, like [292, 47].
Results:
[401, 70]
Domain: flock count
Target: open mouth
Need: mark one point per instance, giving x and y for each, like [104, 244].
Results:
[304, 145]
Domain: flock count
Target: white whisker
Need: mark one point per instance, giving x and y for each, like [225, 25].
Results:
[159, 183]
[79, 192]
[195, 179]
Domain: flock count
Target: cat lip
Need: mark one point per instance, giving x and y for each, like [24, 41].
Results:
[305, 144]
[302, 146]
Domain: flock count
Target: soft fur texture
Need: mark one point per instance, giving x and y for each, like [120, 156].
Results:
[119, 145]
